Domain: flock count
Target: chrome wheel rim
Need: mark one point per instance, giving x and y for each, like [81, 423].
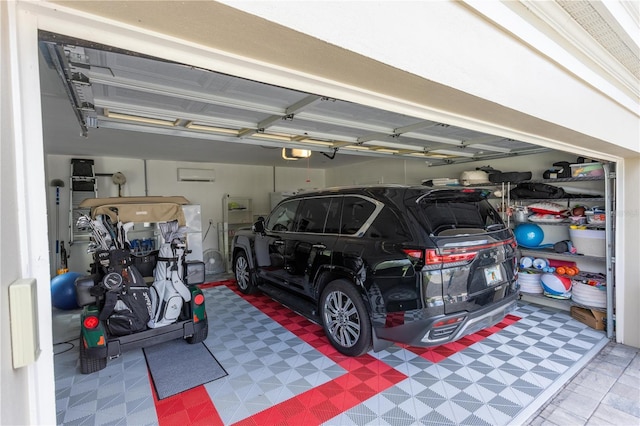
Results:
[242, 272]
[342, 319]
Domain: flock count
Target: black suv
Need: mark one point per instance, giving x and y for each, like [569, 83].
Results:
[381, 264]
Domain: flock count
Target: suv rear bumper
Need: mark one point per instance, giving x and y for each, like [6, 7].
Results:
[425, 333]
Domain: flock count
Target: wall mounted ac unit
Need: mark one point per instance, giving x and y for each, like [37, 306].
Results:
[196, 175]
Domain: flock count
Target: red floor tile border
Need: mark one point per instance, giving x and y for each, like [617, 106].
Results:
[192, 407]
[332, 398]
[364, 378]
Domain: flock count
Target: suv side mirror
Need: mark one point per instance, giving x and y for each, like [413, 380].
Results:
[259, 225]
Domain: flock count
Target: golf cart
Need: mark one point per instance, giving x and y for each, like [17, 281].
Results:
[135, 298]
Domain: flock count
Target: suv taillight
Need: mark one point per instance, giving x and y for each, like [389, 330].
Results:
[414, 254]
[432, 258]
[449, 257]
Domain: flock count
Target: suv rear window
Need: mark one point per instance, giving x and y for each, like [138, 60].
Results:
[355, 212]
[442, 215]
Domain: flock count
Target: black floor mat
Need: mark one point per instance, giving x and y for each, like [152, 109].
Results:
[177, 366]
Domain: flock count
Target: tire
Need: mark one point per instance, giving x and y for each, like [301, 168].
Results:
[345, 318]
[199, 336]
[90, 365]
[245, 278]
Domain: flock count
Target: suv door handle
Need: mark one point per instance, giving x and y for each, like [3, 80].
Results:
[319, 246]
[278, 242]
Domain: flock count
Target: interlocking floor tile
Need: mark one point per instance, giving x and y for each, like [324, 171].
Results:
[282, 370]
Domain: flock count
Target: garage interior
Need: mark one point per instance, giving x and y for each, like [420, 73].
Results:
[132, 97]
[177, 129]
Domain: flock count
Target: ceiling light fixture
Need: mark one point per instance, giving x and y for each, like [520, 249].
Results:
[432, 138]
[295, 153]
[436, 156]
[315, 142]
[402, 146]
[139, 119]
[272, 136]
[385, 150]
[357, 148]
[453, 153]
[489, 147]
[193, 126]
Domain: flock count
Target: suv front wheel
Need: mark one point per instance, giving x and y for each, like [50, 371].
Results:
[345, 318]
[244, 276]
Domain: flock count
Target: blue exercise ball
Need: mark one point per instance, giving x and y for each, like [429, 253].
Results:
[529, 234]
[63, 291]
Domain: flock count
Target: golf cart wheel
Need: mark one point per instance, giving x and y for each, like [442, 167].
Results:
[345, 318]
[245, 278]
[90, 365]
[199, 336]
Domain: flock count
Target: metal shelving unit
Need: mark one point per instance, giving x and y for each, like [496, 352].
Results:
[236, 213]
[608, 260]
[83, 185]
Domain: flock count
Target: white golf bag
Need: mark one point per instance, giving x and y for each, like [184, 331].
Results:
[168, 291]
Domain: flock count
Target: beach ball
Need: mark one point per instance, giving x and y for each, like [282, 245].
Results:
[528, 234]
[555, 285]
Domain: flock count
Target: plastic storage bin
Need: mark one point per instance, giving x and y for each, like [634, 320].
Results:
[587, 170]
[590, 242]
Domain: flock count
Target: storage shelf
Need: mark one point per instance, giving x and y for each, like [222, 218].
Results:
[557, 200]
[564, 304]
[237, 213]
[569, 179]
[563, 256]
[540, 299]
[566, 223]
[82, 185]
[558, 180]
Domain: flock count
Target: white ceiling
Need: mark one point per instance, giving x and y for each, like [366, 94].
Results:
[139, 107]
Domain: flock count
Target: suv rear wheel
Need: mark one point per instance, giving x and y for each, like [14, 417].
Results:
[345, 318]
[244, 276]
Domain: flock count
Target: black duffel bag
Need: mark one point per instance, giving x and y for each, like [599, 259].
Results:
[528, 190]
[500, 177]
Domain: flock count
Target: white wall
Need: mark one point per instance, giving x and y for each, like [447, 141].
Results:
[14, 392]
[26, 393]
[255, 182]
[628, 214]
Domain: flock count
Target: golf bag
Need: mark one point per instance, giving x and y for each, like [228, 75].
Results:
[127, 306]
[168, 291]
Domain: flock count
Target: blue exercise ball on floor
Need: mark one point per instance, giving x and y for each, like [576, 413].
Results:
[529, 234]
[63, 291]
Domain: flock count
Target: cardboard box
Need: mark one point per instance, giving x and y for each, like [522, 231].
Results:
[591, 317]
